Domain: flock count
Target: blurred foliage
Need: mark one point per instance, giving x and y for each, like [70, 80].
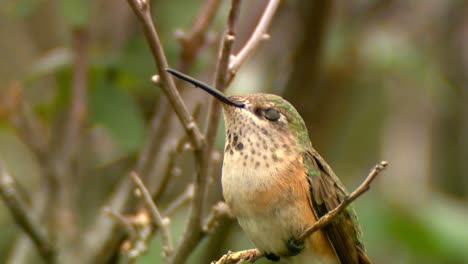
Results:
[392, 84]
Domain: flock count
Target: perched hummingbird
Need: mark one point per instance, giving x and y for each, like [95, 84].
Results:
[277, 185]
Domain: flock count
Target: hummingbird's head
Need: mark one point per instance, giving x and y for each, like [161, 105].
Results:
[265, 122]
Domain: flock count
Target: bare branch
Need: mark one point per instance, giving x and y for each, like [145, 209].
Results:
[144, 232]
[193, 232]
[220, 210]
[23, 119]
[138, 228]
[78, 108]
[22, 215]
[122, 221]
[249, 255]
[195, 38]
[169, 171]
[326, 219]
[252, 255]
[182, 199]
[160, 222]
[260, 33]
[222, 67]
[141, 9]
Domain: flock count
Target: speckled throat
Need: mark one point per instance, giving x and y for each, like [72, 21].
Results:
[249, 144]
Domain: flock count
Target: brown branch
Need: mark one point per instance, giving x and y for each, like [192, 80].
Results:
[222, 67]
[195, 38]
[221, 83]
[63, 145]
[29, 128]
[326, 219]
[259, 34]
[23, 217]
[141, 8]
[160, 222]
[194, 230]
[182, 199]
[166, 175]
[120, 198]
[137, 227]
[19, 112]
[249, 255]
[78, 108]
[220, 210]
[254, 254]
[123, 222]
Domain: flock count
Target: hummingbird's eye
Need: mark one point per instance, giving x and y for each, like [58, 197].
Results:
[272, 114]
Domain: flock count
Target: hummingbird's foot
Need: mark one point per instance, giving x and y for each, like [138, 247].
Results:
[294, 246]
[272, 257]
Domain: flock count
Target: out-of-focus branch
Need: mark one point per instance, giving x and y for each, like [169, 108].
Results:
[122, 221]
[221, 83]
[194, 39]
[138, 228]
[259, 34]
[220, 210]
[141, 9]
[63, 145]
[160, 222]
[101, 235]
[178, 202]
[22, 215]
[194, 230]
[252, 255]
[78, 108]
[23, 119]
[169, 171]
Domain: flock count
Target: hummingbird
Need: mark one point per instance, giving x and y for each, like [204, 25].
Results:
[277, 185]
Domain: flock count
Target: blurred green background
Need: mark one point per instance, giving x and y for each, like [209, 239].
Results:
[374, 80]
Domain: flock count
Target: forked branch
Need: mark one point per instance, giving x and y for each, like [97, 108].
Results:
[259, 34]
[22, 215]
[160, 222]
[141, 8]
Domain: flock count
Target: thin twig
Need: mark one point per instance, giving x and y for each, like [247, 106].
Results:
[137, 228]
[160, 222]
[221, 83]
[252, 255]
[78, 108]
[249, 255]
[22, 215]
[141, 9]
[222, 67]
[182, 199]
[326, 219]
[168, 172]
[194, 229]
[195, 38]
[220, 210]
[23, 119]
[122, 221]
[259, 35]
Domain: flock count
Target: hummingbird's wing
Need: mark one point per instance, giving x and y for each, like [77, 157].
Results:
[327, 193]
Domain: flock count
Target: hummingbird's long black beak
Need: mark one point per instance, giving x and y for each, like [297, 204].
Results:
[214, 92]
